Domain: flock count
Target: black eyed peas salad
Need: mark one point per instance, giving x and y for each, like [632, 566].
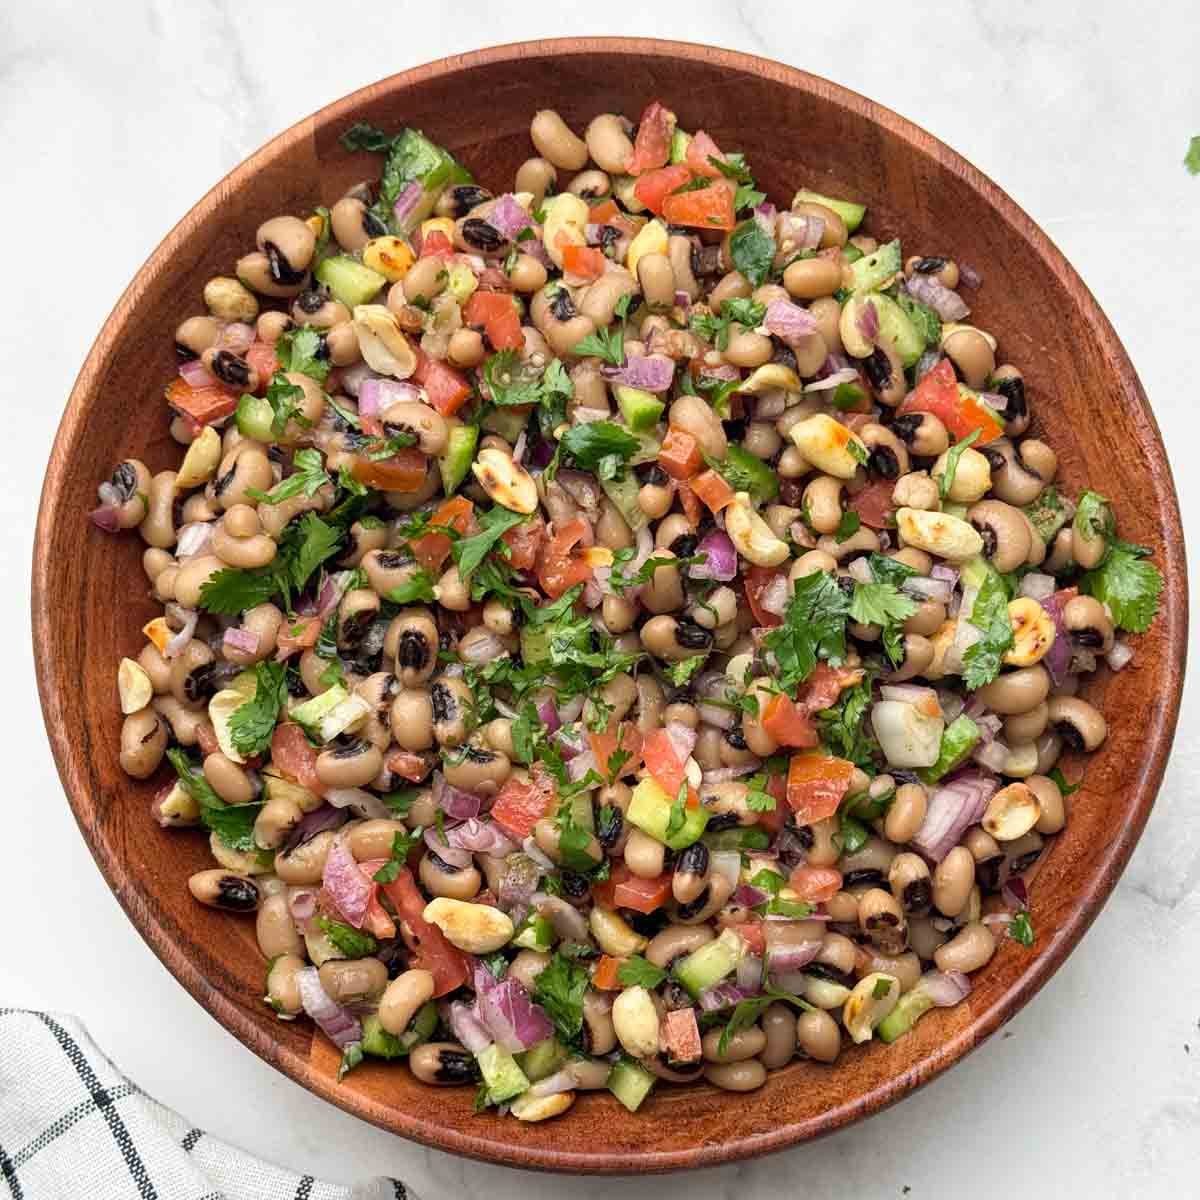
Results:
[614, 630]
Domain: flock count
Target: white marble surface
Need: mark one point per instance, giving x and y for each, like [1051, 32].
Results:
[113, 120]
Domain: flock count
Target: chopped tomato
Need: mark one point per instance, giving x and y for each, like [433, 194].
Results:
[497, 313]
[753, 933]
[432, 549]
[939, 393]
[604, 977]
[681, 1036]
[663, 762]
[816, 784]
[206, 736]
[627, 739]
[652, 147]
[493, 279]
[524, 541]
[815, 884]
[825, 685]
[709, 208]
[435, 244]
[602, 213]
[585, 262]
[427, 944]
[558, 569]
[713, 490]
[700, 149]
[410, 766]
[653, 188]
[300, 634]
[200, 406]
[445, 388]
[680, 455]
[757, 580]
[294, 756]
[377, 922]
[874, 503]
[404, 472]
[261, 356]
[643, 895]
[689, 502]
[521, 804]
[787, 724]
[773, 819]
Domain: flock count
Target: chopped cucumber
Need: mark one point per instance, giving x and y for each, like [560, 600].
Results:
[680, 142]
[640, 409]
[378, 1042]
[874, 270]
[630, 1082]
[650, 810]
[536, 933]
[706, 967]
[958, 740]
[500, 1072]
[542, 1059]
[850, 212]
[349, 280]
[904, 1016]
[895, 327]
[851, 253]
[745, 473]
[507, 422]
[623, 493]
[455, 462]
[254, 418]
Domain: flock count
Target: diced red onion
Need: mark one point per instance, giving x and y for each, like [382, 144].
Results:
[302, 905]
[774, 597]
[554, 1085]
[237, 337]
[508, 1013]
[1015, 892]
[482, 837]
[195, 374]
[945, 988]
[245, 640]
[1037, 586]
[179, 641]
[750, 968]
[482, 649]
[567, 920]
[721, 995]
[728, 864]
[989, 725]
[571, 709]
[860, 571]
[583, 415]
[454, 802]
[1004, 917]
[318, 821]
[194, 539]
[649, 372]
[507, 217]
[346, 885]
[571, 742]
[948, 305]
[106, 518]
[969, 276]
[726, 373]
[1057, 660]
[331, 593]
[953, 808]
[721, 561]
[789, 321]
[535, 852]
[725, 774]
[991, 754]
[711, 685]
[365, 804]
[404, 204]
[764, 214]
[798, 231]
[783, 956]
[548, 714]
[338, 1024]
[867, 322]
[683, 739]
[684, 301]
[942, 571]
[518, 454]
[452, 856]
[831, 381]
[593, 594]
[745, 896]
[1119, 656]
[580, 765]
[468, 1028]
[995, 401]
[354, 377]
[374, 395]
[925, 588]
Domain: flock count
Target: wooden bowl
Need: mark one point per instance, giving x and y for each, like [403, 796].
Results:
[89, 597]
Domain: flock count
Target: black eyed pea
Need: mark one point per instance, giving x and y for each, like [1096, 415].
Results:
[916, 490]
[818, 1036]
[228, 780]
[655, 499]
[1050, 801]
[906, 814]
[644, 855]
[694, 415]
[758, 740]
[535, 175]
[402, 998]
[353, 224]
[445, 1064]
[283, 988]
[617, 613]
[184, 722]
[691, 875]
[350, 980]
[928, 619]
[527, 966]
[924, 938]
[972, 352]
[157, 668]
[1008, 381]
[1020, 474]
[271, 326]
[556, 143]
[128, 486]
[823, 498]
[608, 142]
[589, 1074]
[477, 769]
[264, 621]
[762, 440]
[953, 879]
[613, 933]
[590, 184]
[650, 703]
[1079, 724]
[498, 735]
[673, 639]
[744, 1044]
[240, 862]
[944, 270]
[865, 541]
[747, 348]
[972, 479]
[864, 1010]
[276, 820]
[843, 908]
[1060, 552]
[710, 901]
[656, 278]
[910, 882]
[411, 718]
[779, 1030]
[451, 701]
[194, 335]
[341, 344]
[1016, 692]
[289, 244]
[225, 889]
[238, 539]
[1006, 533]
[424, 423]
[317, 308]
[636, 1022]
[617, 697]
[813, 278]
[889, 455]
[904, 968]
[1027, 727]
[1049, 748]
[255, 272]
[350, 763]
[386, 570]
[971, 948]
[274, 517]
[1087, 622]
[363, 539]
[612, 530]
[244, 467]
[599, 1035]
[882, 920]
[229, 300]
[275, 930]
[664, 592]
[305, 864]
[718, 608]
[833, 232]
[732, 286]
[143, 743]
[158, 525]
[737, 1076]
[412, 640]
[708, 747]
[475, 928]
[372, 839]
[465, 348]
[676, 941]
[826, 845]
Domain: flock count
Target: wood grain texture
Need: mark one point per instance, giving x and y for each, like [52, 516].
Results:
[89, 595]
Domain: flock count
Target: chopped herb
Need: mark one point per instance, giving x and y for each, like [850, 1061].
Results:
[621, 582]
[559, 989]
[390, 446]
[640, 972]
[678, 814]
[847, 396]
[927, 322]
[989, 614]
[814, 627]
[946, 482]
[232, 823]
[308, 476]
[1060, 779]
[858, 451]
[1020, 928]
[848, 526]
[353, 943]
[844, 732]
[747, 313]
[1093, 517]
[679, 673]
[588, 444]
[769, 881]
[881, 988]
[607, 343]
[469, 552]
[623, 305]
[402, 845]
[748, 1011]
[281, 395]
[1129, 586]
[418, 589]
[884, 605]
[352, 1057]
[303, 350]
[401, 801]
[752, 251]
[889, 570]
[252, 724]
[1191, 160]
[362, 135]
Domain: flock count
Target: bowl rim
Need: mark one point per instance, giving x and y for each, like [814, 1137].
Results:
[1160, 725]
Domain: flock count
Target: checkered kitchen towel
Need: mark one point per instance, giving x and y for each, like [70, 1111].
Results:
[72, 1126]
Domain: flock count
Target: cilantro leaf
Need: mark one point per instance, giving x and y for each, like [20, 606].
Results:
[884, 605]
[814, 626]
[606, 343]
[352, 1056]
[510, 381]
[889, 570]
[232, 823]
[308, 476]
[560, 989]
[621, 582]
[418, 589]
[640, 972]
[848, 526]
[928, 323]
[281, 396]
[1093, 517]
[748, 1011]
[1020, 928]
[1130, 586]
[350, 941]
[1059, 778]
[1191, 160]
[230, 591]
[844, 732]
[304, 350]
[588, 444]
[469, 552]
[748, 313]
[306, 545]
[946, 482]
[678, 813]
[752, 250]
[252, 724]
[401, 801]
[402, 844]
[679, 673]
[989, 614]
[362, 135]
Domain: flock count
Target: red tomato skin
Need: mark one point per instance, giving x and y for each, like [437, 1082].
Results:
[448, 965]
[815, 884]
[816, 785]
[652, 146]
[874, 504]
[653, 188]
[294, 756]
